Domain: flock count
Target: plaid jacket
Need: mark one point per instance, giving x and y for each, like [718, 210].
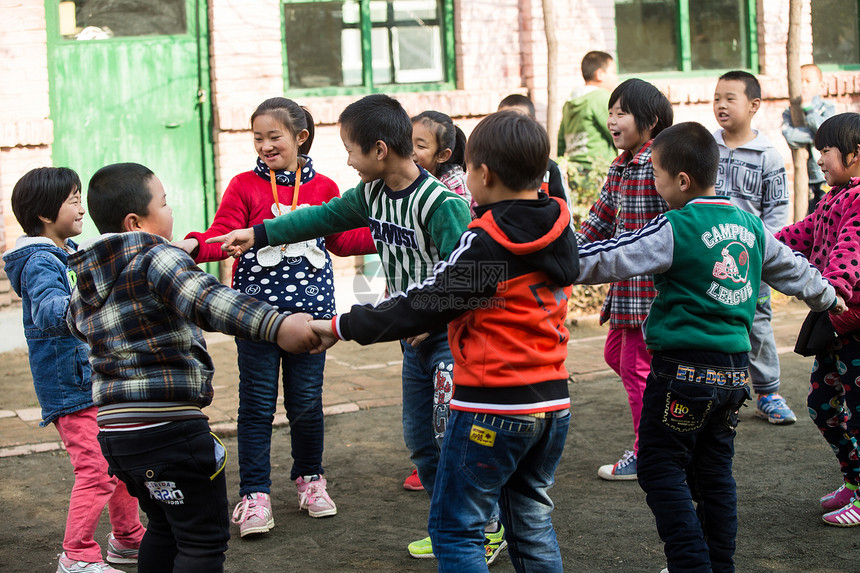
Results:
[140, 304]
[627, 202]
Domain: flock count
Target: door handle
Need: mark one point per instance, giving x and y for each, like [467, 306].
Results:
[172, 125]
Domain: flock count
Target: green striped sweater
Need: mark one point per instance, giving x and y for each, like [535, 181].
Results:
[413, 228]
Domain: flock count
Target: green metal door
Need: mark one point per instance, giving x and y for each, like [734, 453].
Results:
[128, 83]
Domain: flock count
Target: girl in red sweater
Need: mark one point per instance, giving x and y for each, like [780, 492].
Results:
[295, 278]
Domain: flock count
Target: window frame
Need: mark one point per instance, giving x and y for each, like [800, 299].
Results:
[685, 48]
[446, 22]
[837, 67]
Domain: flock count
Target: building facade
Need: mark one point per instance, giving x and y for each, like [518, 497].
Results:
[172, 83]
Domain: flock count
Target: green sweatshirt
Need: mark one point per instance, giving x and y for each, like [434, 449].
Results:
[583, 135]
[414, 228]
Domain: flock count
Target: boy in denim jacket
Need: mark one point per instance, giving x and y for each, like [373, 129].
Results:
[140, 303]
[47, 204]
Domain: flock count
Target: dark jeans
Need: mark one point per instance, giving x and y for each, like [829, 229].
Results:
[427, 378]
[686, 445]
[176, 473]
[260, 367]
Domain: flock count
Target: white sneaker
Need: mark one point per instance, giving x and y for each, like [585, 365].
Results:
[67, 565]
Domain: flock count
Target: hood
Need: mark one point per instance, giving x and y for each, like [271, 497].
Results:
[759, 143]
[577, 97]
[101, 262]
[537, 229]
[16, 257]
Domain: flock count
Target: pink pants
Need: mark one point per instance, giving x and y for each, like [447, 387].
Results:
[625, 353]
[92, 490]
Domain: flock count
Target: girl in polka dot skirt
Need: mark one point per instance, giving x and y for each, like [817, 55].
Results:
[830, 239]
[295, 278]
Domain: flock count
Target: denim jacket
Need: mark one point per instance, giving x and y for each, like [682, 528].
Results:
[39, 273]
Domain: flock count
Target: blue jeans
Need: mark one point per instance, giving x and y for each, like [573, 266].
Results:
[260, 365]
[427, 387]
[486, 459]
[176, 473]
[686, 446]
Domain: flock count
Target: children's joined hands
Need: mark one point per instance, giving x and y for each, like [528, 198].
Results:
[840, 306]
[327, 338]
[295, 334]
[235, 242]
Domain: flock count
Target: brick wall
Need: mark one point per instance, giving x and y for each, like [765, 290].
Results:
[500, 49]
[26, 131]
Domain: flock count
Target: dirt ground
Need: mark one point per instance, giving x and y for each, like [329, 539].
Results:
[602, 526]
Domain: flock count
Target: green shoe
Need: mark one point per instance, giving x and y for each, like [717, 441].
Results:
[495, 544]
[421, 549]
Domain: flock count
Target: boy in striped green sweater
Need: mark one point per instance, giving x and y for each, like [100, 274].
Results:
[416, 222]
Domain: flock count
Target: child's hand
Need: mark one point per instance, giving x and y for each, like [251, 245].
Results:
[295, 334]
[322, 328]
[187, 245]
[840, 306]
[414, 341]
[235, 242]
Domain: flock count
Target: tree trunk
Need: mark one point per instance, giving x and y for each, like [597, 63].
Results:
[800, 156]
[553, 110]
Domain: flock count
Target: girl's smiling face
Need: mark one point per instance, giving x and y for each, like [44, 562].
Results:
[833, 165]
[425, 149]
[625, 133]
[276, 146]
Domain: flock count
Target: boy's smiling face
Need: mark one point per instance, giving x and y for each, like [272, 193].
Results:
[624, 131]
[732, 108]
[69, 221]
[367, 164]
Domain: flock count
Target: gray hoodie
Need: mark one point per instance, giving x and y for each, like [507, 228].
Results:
[753, 176]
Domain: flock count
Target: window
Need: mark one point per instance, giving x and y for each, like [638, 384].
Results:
[366, 43]
[685, 35]
[834, 32]
[103, 19]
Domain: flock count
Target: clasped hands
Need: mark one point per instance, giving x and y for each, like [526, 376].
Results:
[299, 333]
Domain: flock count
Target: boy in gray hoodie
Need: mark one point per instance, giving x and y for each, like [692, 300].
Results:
[752, 175]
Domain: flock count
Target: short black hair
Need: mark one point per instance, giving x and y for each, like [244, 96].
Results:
[378, 117]
[40, 193]
[518, 100]
[291, 115]
[841, 131]
[593, 61]
[646, 103]
[513, 146]
[688, 147]
[117, 190]
[448, 136]
[752, 89]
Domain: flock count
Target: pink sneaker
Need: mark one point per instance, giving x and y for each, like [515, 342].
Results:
[66, 565]
[848, 516]
[254, 514]
[413, 482]
[313, 496]
[119, 552]
[838, 498]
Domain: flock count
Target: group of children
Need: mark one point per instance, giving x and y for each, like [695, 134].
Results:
[479, 257]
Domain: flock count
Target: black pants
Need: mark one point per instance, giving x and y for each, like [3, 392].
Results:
[176, 473]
